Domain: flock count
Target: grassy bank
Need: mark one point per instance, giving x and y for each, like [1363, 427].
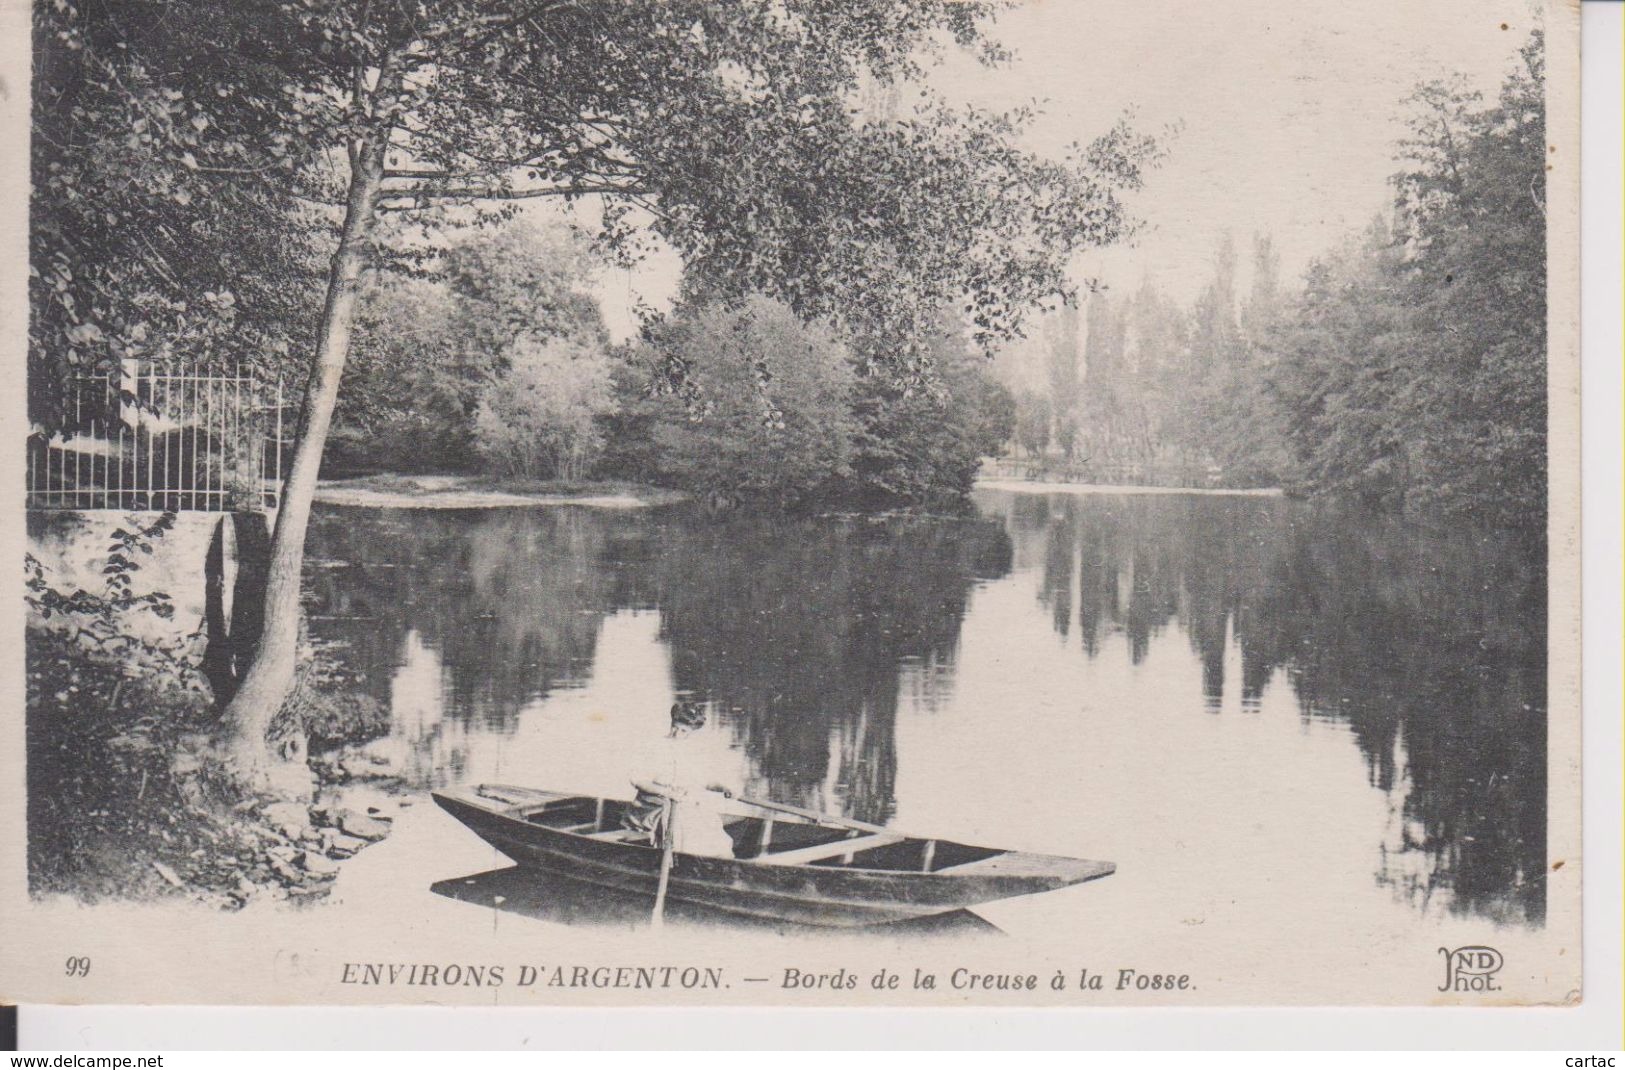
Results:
[124, 802]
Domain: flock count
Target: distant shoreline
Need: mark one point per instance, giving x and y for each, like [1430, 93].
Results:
[395, 491]
[482, 492]
[1032, 486]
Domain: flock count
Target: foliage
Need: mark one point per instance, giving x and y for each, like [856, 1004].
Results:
[1413, 369]
[1476, 415]
[1335, 357]
[538, 417]
[768, 417]
[1156, 339]
[1254, 448]
[726, 129]
[782, 413]
[924, 447]
[157, 230]
[441, 350]
[405, 408]
[1229, 417]
[1065, 372]
[102, 624]
[1032, 424]
[102, 800]
[1408, 373]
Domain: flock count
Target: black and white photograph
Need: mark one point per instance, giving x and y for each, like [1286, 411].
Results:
[797, 503]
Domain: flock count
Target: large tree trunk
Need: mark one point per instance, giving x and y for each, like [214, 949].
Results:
[245, 720]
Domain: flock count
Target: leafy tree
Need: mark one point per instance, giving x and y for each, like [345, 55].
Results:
[1033, 421]
[1065, 376]
[1104, 389]
[405, 405]
[519, 284]
[107, 624]
[1207, 373]
[1254, 447]
[159, 228]
[435, 339]
[767, 416]
[1239, 427]
[1155, 340]
[1413, 369]
[1473, 218]
[1336, 356]
[1263, 306]
[538, 416]
[995, 411]
[726, 129]
[925, 446]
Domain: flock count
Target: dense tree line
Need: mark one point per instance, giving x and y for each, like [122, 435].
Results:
[1408, 371]
[491, 357]
[159, 228]
[1138, 384]
[1412, 369]
[782, 412]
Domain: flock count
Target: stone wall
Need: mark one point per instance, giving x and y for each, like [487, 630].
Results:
[73, 548]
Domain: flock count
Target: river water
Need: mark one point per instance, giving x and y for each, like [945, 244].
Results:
[1265, 712]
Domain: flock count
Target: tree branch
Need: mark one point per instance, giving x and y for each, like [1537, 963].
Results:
[489, 194]
[428, 172]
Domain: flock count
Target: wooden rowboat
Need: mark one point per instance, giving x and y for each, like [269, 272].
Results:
[790, 865]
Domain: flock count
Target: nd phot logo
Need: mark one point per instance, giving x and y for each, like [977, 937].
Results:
[1471, 969]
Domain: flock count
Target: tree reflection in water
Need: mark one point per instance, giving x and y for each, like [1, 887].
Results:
[796, 631]
[1430, 646]
[803, 634]
[511, 600]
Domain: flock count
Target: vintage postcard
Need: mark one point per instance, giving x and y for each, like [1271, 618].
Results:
[792, 502]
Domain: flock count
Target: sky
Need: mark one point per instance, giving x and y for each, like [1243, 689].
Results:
[1287, 115]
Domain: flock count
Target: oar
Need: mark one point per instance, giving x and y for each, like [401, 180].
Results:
[811, 815]
[667, 842]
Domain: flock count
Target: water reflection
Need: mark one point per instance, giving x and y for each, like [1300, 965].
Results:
[1430, 647]
[559, 899]
[510, 601]
[797, 632]
[814, 640]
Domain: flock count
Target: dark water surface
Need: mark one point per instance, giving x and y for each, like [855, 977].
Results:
[1240, 700]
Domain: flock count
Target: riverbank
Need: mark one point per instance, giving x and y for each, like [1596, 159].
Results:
[391, 491]
[1034, 486]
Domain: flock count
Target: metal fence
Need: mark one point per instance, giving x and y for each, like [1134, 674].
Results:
[149, 437]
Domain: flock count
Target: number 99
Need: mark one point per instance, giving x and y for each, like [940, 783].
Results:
[78, 966]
